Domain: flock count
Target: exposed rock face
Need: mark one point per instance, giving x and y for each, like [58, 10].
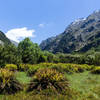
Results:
[81, 35]
[4, 39]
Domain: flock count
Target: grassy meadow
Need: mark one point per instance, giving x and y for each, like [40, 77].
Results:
[83, 83]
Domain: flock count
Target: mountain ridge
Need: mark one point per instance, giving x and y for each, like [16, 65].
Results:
[4, 39]
[77, 36]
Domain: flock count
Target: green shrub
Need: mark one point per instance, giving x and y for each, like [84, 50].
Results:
[62, 68]
[24, 67]
[32, 70]
[68, 68]
[48, 79]
[78, 68]
[86, 67]
[8, 83]
[11, 67]
[96, 70]
[71, 68]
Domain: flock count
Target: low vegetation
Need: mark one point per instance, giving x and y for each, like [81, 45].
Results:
[8, 83]
[11, 67]
[48, 79]
[48, 83]
[61, 67]
[96, 70]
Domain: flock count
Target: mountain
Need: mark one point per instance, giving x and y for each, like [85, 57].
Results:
[4, 39]
[15, 43]
[80, 36]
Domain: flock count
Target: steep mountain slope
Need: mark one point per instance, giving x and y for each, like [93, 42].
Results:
[4, 39]
[14, 42]
[81, 35]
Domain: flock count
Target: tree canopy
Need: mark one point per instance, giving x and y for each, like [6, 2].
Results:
[29, 51]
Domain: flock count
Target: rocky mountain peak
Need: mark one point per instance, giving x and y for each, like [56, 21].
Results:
[80, 35]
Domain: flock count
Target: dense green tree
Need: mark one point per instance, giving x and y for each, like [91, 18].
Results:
[9, 55]
[30, 52]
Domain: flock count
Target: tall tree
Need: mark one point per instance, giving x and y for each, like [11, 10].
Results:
[29, 51]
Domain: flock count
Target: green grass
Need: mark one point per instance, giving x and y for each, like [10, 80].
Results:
[22, 77]
[86, 84]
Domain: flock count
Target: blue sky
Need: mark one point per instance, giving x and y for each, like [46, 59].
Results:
[40, 19]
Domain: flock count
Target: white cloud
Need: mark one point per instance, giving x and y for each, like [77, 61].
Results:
[20, 33]
[41, 25]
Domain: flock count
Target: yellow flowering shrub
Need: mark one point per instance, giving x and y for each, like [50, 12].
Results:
[8, 83]
[61, 67]
[24, 67]
[48, 79]
[96, 70]
[6, 74]
[49, 74]
[11, 67]
[32, 70]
